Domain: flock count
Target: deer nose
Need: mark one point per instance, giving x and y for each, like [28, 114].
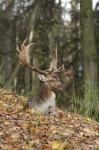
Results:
[64, 87]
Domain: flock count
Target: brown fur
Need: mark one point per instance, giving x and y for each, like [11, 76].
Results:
[45, 92]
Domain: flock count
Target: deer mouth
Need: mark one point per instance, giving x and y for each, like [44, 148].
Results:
[58, 88]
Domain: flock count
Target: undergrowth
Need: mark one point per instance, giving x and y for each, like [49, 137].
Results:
[88, 105]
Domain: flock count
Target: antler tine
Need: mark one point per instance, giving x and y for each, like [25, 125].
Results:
[53, 63]
[22, 45]
[56, 57]
[24, 57]
[60, 69]
[17, 49]
[28, 46]
[24, 42]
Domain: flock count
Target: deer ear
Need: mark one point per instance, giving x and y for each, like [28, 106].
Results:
[41, 77]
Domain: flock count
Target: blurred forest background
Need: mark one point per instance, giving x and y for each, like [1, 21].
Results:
[74, 25]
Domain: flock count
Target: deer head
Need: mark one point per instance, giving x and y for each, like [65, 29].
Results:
[48, 77]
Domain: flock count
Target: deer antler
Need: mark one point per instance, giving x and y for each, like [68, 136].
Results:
[24, 57]
[53, 63]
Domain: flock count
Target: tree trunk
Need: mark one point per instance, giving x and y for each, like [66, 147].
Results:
[8, 42]
[89, 52]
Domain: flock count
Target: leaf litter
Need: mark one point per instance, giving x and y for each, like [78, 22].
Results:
[32, 130]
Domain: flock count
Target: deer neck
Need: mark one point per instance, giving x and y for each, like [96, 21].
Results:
[47, 97]
[46, 93]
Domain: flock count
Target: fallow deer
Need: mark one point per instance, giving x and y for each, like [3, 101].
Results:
[45, 100]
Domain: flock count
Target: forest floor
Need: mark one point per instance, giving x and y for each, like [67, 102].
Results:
[32, 130]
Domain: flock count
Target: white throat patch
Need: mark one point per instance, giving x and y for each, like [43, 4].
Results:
[49, 104]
